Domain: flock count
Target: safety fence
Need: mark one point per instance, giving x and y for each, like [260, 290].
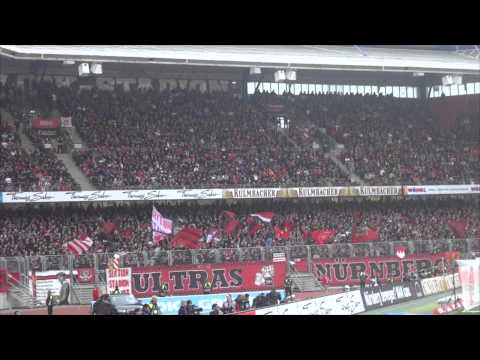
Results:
[305, 254]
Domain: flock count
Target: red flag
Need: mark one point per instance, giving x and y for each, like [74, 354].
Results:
[280, 234]
[265, 216]
[368, 235]
[289, 226]
[187, 238]
[459, 228]
[322, 236]
[231, 226]
[109, 227]
[254, 229]
[230, 214]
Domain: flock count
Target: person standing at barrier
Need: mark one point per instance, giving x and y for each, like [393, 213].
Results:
[288, 287]
[145, 310]
[183, 308]
[216, 310]
[104, 306]
[50, 302]
[64, 290]
[363, 279]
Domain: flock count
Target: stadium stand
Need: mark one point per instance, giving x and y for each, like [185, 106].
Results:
[178, 138]
[28, 231]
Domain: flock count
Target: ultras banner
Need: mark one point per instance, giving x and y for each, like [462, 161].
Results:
[188, 279]
[346, 271]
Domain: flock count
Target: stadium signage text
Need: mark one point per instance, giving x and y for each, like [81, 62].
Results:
[391, 294]
[188, 279]
[259, 193]
[347, 271]
[349, 303]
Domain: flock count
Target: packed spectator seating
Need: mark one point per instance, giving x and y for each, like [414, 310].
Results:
[179, 138]
[21, 171]
[190, 139]
[46, 230]
[389, 140]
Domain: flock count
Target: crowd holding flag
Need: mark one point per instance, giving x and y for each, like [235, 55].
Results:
[321, 237]
[188, 238]
[265, 216]
[80, 245]
[161, 226]
[213, 234]
[459, 228]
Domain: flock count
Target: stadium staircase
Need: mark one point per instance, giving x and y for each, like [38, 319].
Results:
[304, 282]
[20, 295]
[75, 171]
[83, 294]
[335, 150]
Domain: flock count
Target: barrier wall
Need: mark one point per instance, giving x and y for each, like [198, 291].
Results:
[171, 304]
[348, 303]
[346, 271]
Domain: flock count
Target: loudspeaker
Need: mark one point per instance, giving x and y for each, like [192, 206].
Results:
[83, 69]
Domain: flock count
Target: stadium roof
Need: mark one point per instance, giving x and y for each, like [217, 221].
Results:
[319, 57]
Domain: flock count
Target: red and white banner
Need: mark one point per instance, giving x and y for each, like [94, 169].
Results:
[346, 271]
[188, 279]
[279, 257]
[43, 281]
[121, 278]
[80, 246]
[161, 224]
[40, 123]
[265, 216]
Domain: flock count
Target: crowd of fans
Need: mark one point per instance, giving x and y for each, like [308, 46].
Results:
[388, 140]
[185, 138]
[46, 230]
[23, 171]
